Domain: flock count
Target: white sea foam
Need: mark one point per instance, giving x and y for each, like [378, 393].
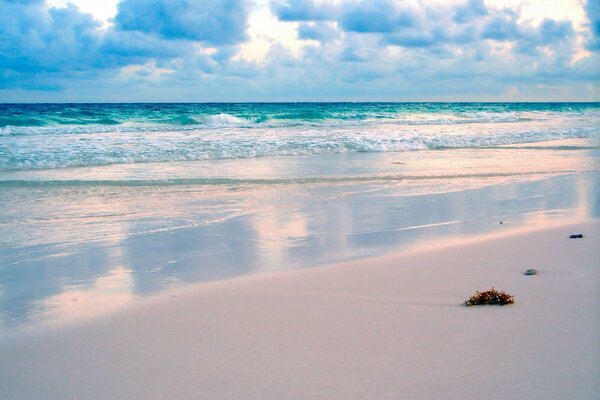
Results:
[42, 152]
[224, 120]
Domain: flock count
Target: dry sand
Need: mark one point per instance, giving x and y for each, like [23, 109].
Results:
[385, 328]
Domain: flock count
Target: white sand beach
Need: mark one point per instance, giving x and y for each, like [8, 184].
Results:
[297, 199]
[381, 328]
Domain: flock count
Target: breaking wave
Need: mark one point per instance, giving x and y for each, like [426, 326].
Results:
[58, 136]
[178, 146]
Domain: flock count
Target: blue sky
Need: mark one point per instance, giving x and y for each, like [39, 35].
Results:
[299, 50]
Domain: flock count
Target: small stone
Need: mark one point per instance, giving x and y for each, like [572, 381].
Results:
[576, 236]
[501, 222]
[530, 271]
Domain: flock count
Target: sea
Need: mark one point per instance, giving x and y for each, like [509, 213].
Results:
[102, 205]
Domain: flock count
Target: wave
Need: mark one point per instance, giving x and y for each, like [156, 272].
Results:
[21, 122]
[59, 136]
[224, 120]
[16, 183]
[42, 153]
[24, 125]
[487, 117]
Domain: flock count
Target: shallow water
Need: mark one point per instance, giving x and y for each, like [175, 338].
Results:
[87, 252]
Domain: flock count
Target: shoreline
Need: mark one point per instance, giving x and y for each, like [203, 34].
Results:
[108, 254]
[384, 327]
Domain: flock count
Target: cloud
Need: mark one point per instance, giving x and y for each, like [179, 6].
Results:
[382, 16]
[421, 26]
[592, 8]
[184, 50]
[304, 10]
[40, 43]
[471, 10]
[34, 38]
[215, 22]
[322, 31]
[502, 27]
[448, 45]
[551, 31]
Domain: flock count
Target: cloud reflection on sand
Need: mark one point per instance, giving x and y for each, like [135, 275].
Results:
[87, 278]
[105, 246]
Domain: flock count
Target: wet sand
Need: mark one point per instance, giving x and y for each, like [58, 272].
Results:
[389, 327]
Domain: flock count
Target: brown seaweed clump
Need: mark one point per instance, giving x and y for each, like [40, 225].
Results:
[490, 298]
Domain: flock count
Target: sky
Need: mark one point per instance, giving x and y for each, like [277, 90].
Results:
[299, 50]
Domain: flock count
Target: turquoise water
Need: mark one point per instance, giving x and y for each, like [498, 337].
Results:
[139, 116]
[49, 136]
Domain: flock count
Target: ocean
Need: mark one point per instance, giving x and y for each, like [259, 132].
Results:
[47, 136]
[102, 204]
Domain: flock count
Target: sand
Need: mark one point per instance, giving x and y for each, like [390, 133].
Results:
[383, 328]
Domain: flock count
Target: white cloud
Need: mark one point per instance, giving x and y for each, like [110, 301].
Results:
[102, 10]
[310, 50]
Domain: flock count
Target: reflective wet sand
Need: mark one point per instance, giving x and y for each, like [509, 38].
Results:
[94, 239]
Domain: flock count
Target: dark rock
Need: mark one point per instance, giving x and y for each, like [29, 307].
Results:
[576, 236]
[530, 271]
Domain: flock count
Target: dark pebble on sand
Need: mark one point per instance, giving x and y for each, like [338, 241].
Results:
[577, 236]
[530, 271]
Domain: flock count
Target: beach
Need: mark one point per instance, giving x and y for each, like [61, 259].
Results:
[391, 327]
[301, 251]
[299, 199]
